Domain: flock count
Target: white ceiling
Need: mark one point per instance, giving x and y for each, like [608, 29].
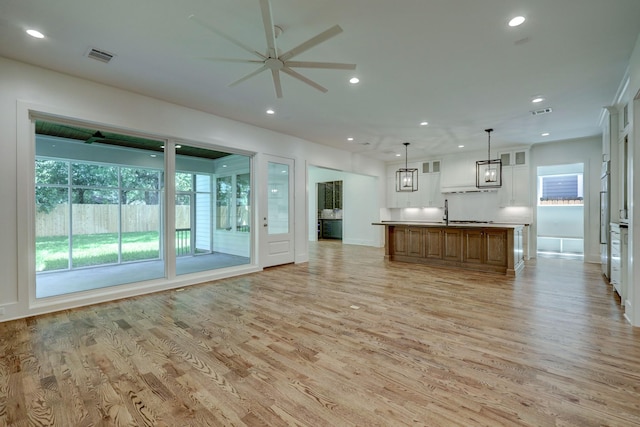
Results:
[453, 63]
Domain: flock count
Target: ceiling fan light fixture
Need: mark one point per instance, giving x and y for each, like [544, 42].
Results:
[489, 172]
[273, 60]
[406, 177]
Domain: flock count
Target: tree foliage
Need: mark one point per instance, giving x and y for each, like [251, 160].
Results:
[94, 184]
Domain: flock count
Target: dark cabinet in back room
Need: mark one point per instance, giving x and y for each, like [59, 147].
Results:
[331, 228]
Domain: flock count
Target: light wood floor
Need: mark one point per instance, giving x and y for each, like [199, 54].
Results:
[285, 347]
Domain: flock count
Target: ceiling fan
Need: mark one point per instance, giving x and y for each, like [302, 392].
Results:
[274, 61]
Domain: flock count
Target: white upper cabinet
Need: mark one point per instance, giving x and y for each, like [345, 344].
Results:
[515, 178]
[609, 133]
[428, 194]
[514, 158]
[401, 199]
[515, 187]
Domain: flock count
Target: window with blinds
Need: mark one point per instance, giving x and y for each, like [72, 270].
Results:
[561, 190]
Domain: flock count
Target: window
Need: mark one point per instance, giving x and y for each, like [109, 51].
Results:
[243, 207]
[561, 189]
[227, 218]
[224, 194]
[93, 214]
[100, 206]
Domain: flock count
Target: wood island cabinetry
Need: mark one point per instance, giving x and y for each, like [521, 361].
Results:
[434, 243]
[452, 244]
[487, 248]
[409, 242]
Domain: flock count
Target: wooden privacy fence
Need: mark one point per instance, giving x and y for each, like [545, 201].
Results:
[95, 219]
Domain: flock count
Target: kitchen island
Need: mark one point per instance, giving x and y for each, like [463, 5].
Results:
[474, 246]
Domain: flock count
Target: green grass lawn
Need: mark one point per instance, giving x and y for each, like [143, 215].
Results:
[52, 253]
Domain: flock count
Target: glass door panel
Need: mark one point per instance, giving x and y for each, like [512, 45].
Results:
[183, 225]
[101, 215]
[277, 233]
[207, 194]
[278, 198]
[94, 224]
[52, 229]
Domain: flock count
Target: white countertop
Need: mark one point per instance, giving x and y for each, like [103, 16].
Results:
[451, 224]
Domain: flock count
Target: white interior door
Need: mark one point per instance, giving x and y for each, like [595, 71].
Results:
[276, 216]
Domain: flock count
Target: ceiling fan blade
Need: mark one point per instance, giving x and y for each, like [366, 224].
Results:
[276, 83]
[243, 61]
[226, 36]
[303, 79]
[248, 76]
[313, 41]
[267, 20]
[328, 65]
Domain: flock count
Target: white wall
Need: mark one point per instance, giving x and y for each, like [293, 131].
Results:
[632, 305]
[360, 206]
[25, 89]
[589, 152]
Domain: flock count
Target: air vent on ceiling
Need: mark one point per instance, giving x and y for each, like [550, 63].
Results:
[100, 55]
[541, 111]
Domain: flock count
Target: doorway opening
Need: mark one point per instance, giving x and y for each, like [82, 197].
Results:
[560, 211]
[329, 210]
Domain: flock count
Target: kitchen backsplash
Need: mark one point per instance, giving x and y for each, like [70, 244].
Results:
[469, 206]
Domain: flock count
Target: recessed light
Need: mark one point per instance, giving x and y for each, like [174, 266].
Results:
[35, 34]
[224, 166]
[354, 80]
[271, 111]
[350, 138]
[460, 146]
[153, 155]
[424, 123]
[545, 134]
[537, 99]
[398, 154]
[518, 20]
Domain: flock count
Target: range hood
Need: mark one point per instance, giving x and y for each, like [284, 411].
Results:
[466, 189]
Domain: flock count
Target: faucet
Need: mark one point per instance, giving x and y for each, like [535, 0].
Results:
[446, 212]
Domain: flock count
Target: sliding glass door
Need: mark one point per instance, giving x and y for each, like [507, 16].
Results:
[212, 209]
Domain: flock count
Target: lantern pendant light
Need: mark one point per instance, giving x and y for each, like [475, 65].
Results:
[489, 172]
[406, 178]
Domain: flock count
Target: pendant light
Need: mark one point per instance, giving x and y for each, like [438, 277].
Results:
[489, 172]
[406, 178]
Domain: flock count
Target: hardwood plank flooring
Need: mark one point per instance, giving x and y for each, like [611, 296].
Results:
[347, 339]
